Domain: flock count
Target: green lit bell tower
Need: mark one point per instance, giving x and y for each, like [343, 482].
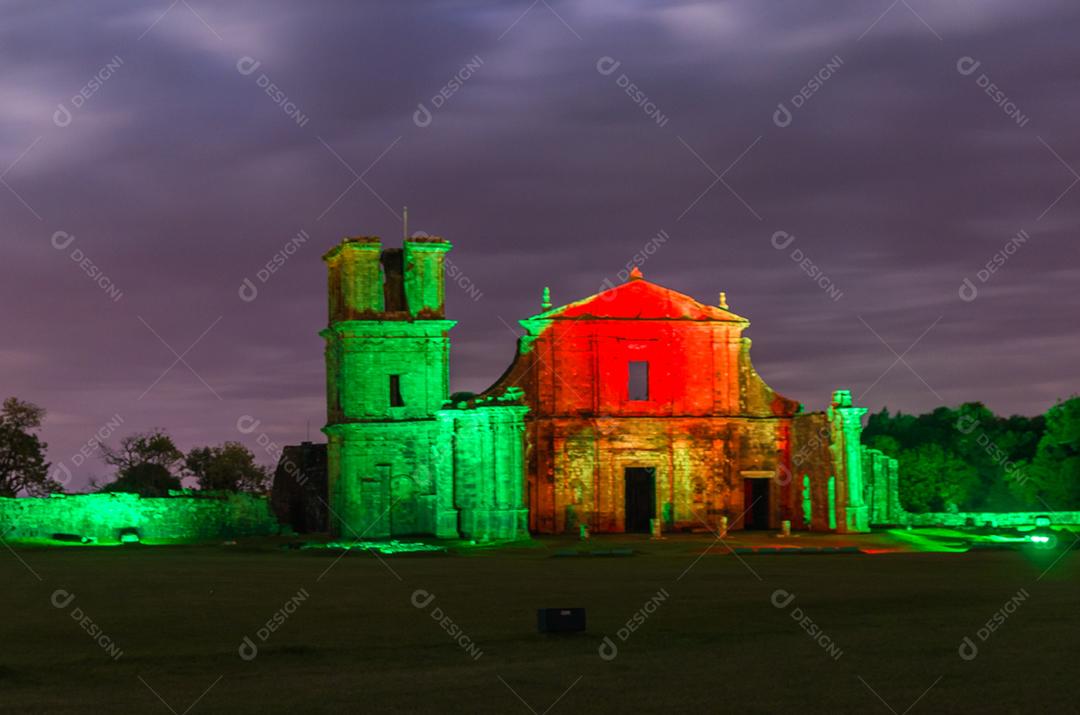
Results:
[387, 375]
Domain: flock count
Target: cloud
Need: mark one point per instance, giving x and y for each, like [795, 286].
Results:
[181, 176]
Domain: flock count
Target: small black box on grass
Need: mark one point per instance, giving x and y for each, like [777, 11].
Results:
[560, 620]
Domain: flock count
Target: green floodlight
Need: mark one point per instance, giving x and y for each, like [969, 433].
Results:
[1044, 539]
[1042, 521]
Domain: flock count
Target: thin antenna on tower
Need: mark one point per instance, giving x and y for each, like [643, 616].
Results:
[405, 222]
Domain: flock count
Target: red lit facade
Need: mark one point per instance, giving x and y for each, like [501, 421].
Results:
[643, 404]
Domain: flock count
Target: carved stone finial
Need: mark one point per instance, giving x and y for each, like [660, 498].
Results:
[635, 274]
[723, 300]
[545, 300]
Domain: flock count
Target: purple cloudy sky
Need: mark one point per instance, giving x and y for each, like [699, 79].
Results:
[176, 175]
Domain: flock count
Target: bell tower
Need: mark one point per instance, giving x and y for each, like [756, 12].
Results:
[387, 374]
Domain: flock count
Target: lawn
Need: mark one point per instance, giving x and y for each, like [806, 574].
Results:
[707, 637]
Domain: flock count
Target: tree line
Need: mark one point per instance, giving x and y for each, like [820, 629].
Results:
[969, 459]
[962, 459]
[146, 463]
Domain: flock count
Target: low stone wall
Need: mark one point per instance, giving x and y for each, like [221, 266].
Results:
[181, 518]
[996, 519]
[882, 479]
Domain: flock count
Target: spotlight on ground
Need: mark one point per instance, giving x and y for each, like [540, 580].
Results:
[1043, 539]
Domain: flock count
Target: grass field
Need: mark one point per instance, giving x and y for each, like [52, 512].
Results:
[357, 643]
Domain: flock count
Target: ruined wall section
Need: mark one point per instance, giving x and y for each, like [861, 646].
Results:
[299, 496]
[361, 357]
[756, 397]
[391, 479]
[185, 518]
[846, 446]
[488, 468]
[700, 465]
[882, 474]
[815, 486]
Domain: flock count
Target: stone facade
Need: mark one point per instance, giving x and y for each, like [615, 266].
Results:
[401, 459]
[185, 517]
[704, 440]
[562, 440]
[298, 497]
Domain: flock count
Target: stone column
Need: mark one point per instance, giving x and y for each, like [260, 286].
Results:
[846, 445]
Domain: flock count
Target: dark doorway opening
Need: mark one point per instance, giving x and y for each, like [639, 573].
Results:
[756, 494]
[640, 499]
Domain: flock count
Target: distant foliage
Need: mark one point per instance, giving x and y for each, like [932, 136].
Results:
[145, 463]
[146, 479]
[969, 459]
[1054, 473]
[229, 467]
[22, 454]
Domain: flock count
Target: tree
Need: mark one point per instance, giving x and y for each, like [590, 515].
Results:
[22, 453]
[153, 447]
[932, 479]
[146, 479]
[994, 447]
[229, 467]
[1053, 477]
[145, 464]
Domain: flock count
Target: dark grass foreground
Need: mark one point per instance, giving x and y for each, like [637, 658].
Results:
[356, 642]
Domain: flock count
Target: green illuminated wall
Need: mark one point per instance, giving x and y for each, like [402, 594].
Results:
[186, 518]
[420, 467]
[361, 355]
[832, 503]
[807, 501]
[424, 284]
[882, 476]
[846, 445]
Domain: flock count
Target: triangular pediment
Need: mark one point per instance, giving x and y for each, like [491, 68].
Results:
[639, 299]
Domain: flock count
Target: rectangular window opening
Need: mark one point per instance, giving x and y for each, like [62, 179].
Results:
[396, 399]
[638, 383]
